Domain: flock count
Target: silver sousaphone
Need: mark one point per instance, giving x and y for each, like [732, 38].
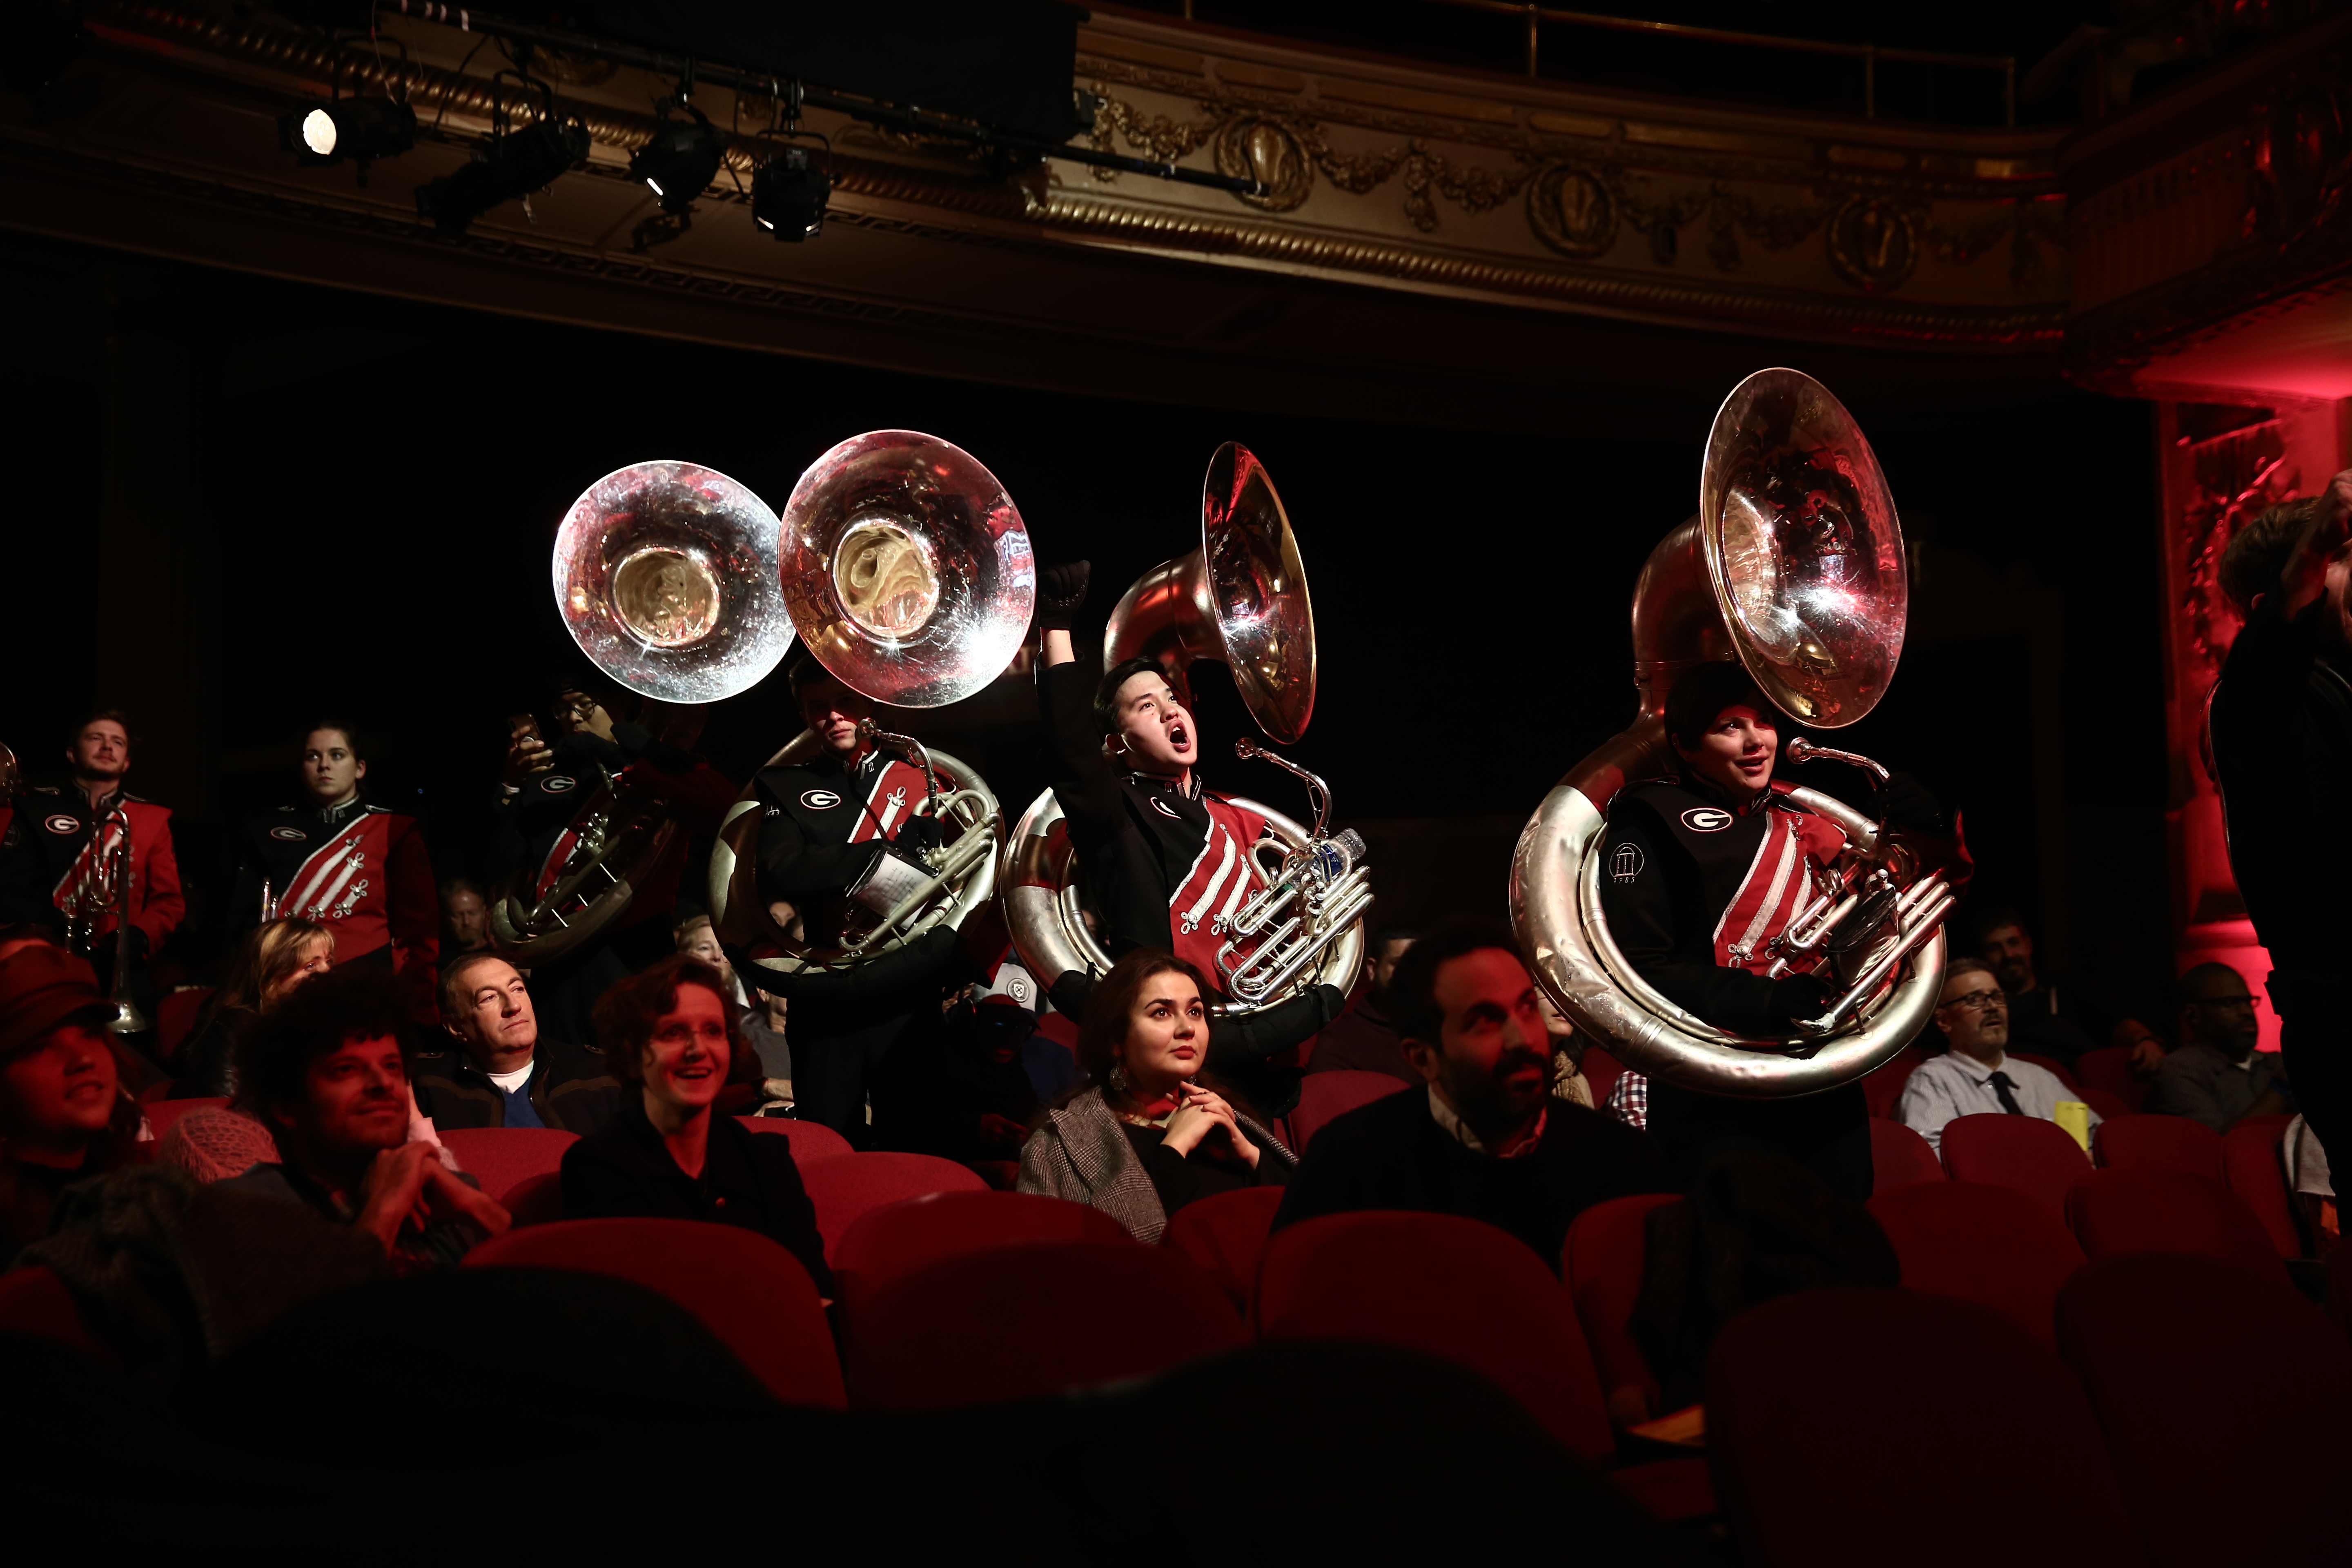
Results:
[1794, 566]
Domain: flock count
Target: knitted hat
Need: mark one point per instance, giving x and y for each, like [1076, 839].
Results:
[41, 987]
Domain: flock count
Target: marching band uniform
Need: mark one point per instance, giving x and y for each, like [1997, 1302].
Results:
[51, 847]
[358, 870]
[1694, 886]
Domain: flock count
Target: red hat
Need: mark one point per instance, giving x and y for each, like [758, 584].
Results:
[41, 987]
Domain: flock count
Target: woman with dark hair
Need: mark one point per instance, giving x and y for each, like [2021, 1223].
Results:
[273, 959]
[670, 1036]
[1150, 1132]
[63, 1115]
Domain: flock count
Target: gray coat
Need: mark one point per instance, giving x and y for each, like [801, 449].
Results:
[1081, 1153]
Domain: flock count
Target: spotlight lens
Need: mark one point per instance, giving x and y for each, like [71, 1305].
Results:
[319, 132]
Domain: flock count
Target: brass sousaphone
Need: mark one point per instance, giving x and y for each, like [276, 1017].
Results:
[907, 570]
[1240, 598]
[1794, 566]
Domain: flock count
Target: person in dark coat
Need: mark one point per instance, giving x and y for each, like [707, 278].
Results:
[1486, 1140]
[669, 1034]
[501, 1073]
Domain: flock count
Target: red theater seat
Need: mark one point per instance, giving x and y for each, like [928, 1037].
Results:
[1032, 1320]
[536, 1199]
[176, 1016]
[1447, 1286]
[1994, 1246]
[2224, 1457]
[1323, 1096]
[502, 1158]
[2160, 1143]
[1881, 1090]
[2109, 1069]
[2026, 1152]
[35, 1302]
[812, 1141]
[884, 1243]
[2064, 1074]
[1602, 1070]
[746, 1289]
[161, 1113]
[1839, 1423]
[2251, 1169]
[843, 1188]
[1899, 1156]
[2116, 1213]
[1224, 1235]
[1602, 1266]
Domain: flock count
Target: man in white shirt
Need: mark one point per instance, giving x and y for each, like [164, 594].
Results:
[504, 1074]
[1977, 1076]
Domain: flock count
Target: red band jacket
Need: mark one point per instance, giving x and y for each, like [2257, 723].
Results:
[359, 870]
[48, 856]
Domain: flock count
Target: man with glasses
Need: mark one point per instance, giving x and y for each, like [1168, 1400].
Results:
[2217, 1076]
[1977, 1076]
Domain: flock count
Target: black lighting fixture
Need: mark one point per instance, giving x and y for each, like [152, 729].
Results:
[513, 164]
[789, 190]
[683, 157]
[360, 129]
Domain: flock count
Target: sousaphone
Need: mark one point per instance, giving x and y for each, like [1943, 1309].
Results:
[1794, 566]
[1240, 599]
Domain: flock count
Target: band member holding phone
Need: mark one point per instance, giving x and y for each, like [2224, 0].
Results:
[357, 868]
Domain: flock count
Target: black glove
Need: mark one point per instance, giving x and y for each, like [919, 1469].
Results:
[1061, 590]
[1906, 803]
[918, 834]
[1796, 996]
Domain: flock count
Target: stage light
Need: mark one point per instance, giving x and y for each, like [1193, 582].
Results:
[511, 166]
[788, 196]
[360, 129]
[682, 158]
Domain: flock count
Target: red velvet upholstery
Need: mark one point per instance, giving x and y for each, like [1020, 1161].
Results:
[35, 1302]
[2022, 1151]
[884, 1243]
[176, 1015]
[1899, 1156]
[1883, 1088]
[2109, 1106]
[161, 1113]
[2109, 1068]
[812, 1141]
[1224, 1235]
[1859, 1428]
[2251, 1169]
[1060, 1028]
[502, 1157]
[1602, 1266]
[1993, 1246]
[2160, 1143]
[1447, 1286]
[843, 1188]
[2229, 1456]
[1324, 1095]
[1031, 1320]
[1600, 1071]
[747, 1291]
[2114, 1213]
[536, 1199]
[2052, 1065]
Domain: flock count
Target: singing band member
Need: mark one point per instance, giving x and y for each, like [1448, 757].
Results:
[1700, 873]
[823, 824]
[1166, 862]
[358, 870]
[59, 850]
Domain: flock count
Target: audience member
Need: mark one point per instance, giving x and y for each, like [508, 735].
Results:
[464, 920]
[2217, 1076]
[2049, 1020]
[1487, 1139]
[1976, 1076]
[1150, 1132]
[764, 1025]
[1364, 1037]
[668, 1036]
[271, 961]
[325, 1067]
[1568, 1079]
[699, 939]
[63, 1115]
[503, 1074]
[971, 1092]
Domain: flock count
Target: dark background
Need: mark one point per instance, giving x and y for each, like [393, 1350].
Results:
[381, 482]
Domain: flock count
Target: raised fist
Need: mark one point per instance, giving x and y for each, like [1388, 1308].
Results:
[1061, 590]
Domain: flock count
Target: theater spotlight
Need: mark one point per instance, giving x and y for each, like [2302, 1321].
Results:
[360, 129]
[682, 158]
[511, 166]
[788, 196]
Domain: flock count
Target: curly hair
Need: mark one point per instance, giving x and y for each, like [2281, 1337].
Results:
[624, 1016]
[321, 1016]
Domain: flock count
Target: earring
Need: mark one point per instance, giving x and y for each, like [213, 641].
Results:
[1117, 1077]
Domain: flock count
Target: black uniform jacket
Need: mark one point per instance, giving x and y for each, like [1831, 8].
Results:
[569, 1086]
[2281, 725]
[624, 1170]
[808, 812]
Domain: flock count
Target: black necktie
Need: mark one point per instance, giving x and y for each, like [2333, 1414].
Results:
[2001, 1086]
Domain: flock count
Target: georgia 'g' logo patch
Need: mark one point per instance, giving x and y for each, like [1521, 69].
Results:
[559, 785]
[1706, 819]
[61, 822]
[1625, 863]
[291, 834]
[819, 799]
[1164, 809]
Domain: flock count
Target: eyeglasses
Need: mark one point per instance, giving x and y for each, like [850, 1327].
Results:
[1975, 1001]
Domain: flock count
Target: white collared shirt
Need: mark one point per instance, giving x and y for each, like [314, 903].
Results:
[1953, 1084]
[1459, 1130]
